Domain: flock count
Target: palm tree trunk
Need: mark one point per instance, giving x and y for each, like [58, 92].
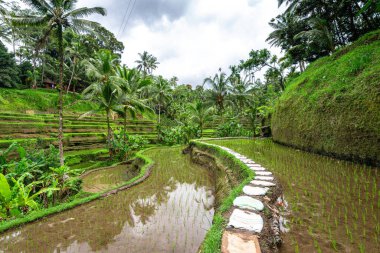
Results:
[60, 102]
[72, 77]
[125, 125]
[109, 133]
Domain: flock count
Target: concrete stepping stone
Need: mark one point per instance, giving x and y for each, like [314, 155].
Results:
[255, 191]
[262, 183]
[265, 178]
[256, 168]
[246, 220]
[254, 165]
[263, 173]
[235, 242]
[246, 202]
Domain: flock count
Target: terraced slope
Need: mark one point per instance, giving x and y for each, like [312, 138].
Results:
[84, 139]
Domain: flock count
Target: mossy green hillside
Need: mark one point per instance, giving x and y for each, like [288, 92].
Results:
[12, 100]
[334, 106]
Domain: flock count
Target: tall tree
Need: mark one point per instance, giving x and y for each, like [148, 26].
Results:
[130, 98]
[219, 89]
[8, 69]
[105, 89]
[201, 114]
[56, 16]
[147, 63]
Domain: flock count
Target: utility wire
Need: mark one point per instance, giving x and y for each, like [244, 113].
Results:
[124, 18]
[130, 14]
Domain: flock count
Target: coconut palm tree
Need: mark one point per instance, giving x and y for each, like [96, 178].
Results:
[147, 63]
[131, 88]
[241, 92]
[201, 114]
[105, 89]
[319, 33]
[160, 94]
[56, 16]
[219, 89]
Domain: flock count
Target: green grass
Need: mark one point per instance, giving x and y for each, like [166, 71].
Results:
[13, 100]
[334, 106]
[212, 242]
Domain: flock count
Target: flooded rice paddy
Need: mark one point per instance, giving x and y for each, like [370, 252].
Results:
[334, 205]
[170, 212]
[101, 180]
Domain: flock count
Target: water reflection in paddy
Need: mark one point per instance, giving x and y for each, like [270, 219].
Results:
[170, 212]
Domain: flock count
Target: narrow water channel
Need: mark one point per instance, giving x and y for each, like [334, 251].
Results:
[170, 212]
[334, 205]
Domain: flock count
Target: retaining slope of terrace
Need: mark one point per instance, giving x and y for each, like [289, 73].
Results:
[82, 137]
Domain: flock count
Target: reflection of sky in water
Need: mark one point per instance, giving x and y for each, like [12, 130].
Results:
[170, 212]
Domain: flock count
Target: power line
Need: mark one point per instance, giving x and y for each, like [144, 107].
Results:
[130, 14]
[124, 18]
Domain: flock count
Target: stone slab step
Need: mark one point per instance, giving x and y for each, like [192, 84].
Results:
[263, 173]
[246, 220]
[249, 203]
[255, 191]
[255, 168]
[264, 178]
[262, 183]
[235, 242]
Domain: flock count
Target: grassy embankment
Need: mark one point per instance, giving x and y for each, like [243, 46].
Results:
[212, 242]
[333, 107]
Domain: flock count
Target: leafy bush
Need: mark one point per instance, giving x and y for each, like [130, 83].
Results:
[31, 177]
[179, 134]
[125, 145]
[232, 129]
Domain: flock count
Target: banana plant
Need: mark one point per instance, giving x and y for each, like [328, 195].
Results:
[5, 195]
[25, 199]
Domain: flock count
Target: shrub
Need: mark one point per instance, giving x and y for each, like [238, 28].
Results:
[232, 129]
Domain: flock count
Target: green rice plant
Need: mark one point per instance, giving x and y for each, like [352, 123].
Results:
[361, 247]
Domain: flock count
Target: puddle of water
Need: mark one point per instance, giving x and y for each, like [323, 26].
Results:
[170, 212]
[102, 180]
[335, 205]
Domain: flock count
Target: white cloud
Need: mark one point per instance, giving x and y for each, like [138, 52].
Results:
[207, 35]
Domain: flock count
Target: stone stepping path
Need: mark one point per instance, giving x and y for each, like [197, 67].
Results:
[235, 242]
[255, 191]
[246, 202]
[246, 215]
[246, 220]
[262, 183]
[263, 173]
[266, 178]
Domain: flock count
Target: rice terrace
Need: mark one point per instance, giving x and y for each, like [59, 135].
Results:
[190, 126]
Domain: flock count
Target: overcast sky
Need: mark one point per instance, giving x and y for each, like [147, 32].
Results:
[192, 39]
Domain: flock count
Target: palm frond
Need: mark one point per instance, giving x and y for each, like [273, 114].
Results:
[39, 5]
[85, 11]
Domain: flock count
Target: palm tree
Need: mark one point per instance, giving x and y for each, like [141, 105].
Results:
[160, 94]
[219, 89]
[200, 114]
[56, 16]
[319, 33]
[147, 63]
[75, 53]
[241, 92]
[131, 89]
[105, 90]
